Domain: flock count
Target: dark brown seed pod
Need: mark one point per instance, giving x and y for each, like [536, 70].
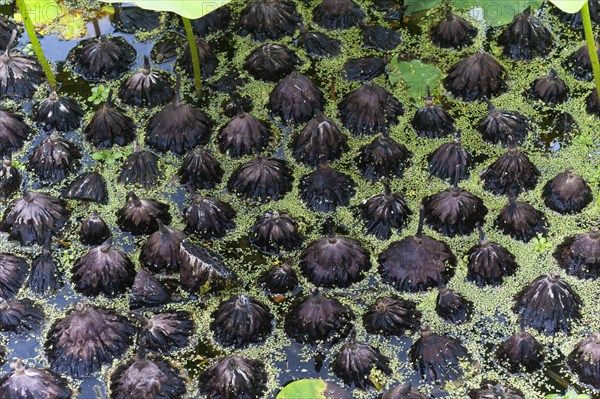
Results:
[160, 253]
[476, 77]
[489, 263]
[167, 331]
[262, 179]
[6, 29]
[241, 320]
[335, 261]
[338, 14]
[147, 291]
[432, 121]
[579, 63]
[452, 306]
[103, 270]
[391, 315]
[141, 167]
[550, 89]
[381, 38]
[45, 274]
[14, 271]
[10, 179]
[234, 377]
[567, 193]
[454, 211]
[584, 360]
[280, 279]
[271, 19]
[417, 263]
[364, 69]
[521, 221]
[271, 62]
[58, 113]
[13, 132]
[212, 22]
[102, 58]
[131, 19]
[20, 316]
[200, 169]
[109, 126]
[89, 186]
[549, 305]
[526, 37]
[592, 104]
[383, 157]
[54, 159]
[19, 74]
[32, 382]
[494, 390]
[208, 59]
[504, 127]
[148, 378]
[579, 255]
[317, 317]
[325, 189]
[244, 134]
[369, 109]
[437, 357]
[34, 218]
[318, 44]
[209, 217]
[296, 98]
[147, 87]
[321, 139]
[521, 351]
[94, 230]
[451, 161]
[453, 32]
[385, 213]
[80, 343]
[199, 267]
[355, 361]
[140, 216]
[406, 391]
[512, 171]
[276, 231]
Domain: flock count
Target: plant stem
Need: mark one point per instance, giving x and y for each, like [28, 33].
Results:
[35, 43]
[194, 51]
[591, 43]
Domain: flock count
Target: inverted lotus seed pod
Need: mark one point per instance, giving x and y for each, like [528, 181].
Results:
[200, 169]
[10, 179]
[406, 391]
[244, 134]
[147, 291]
[526, 37]
[13, 272]
[549, 305]
[54, 159]
[381, 38]
[160, 253]
[453, 32]
[241, 320]
[20, 315]
[494, 390]
[521, 221]
[103, 270]
[579, 63]
[320, 139]
[592, 104]
[167, 331]
[383, 157]
[476, 77]
[521, 351]
[13, 132]
[209, 217]
[385, 213]
[212, 22]
[504, 127]
[58, 113]
[452, 306]
[451, 161]
[317, 317]
[579, 255]
[271, 19]
[24, 382]
[355, 361]
[271, 62]
[325, 189]
[261, 179]
[109, 126]
[417, 263]
[338, 14]
[87, 338]
[19, 74]
[140, 215]
[208, 59]
[550, 89]
[391, 315]
[94, 230]
[318, 44]
[199, 266]
[296, 98]
[34, 218]
[234, 377]
[432, 121]
[276, 231]
[369, 109]
[131, 19]
[102, 58]
[567, 193]
[438, 357]
[89, 186]
[147, 87]
[141, 167]
[280, 279]
[489, 262]
[45, 274]
[584, 360]
[364, 69]
[512, 171]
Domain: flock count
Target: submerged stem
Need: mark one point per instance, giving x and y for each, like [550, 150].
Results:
[194, 52]
[35, 43]
[591, 43]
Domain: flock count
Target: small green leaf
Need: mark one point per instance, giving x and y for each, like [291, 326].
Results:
[97, 155]
[302, 389]
[416, 75]
[185, 8]
[569, 6]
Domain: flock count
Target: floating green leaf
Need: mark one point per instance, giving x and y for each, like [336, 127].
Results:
[186, 8]
[416, 75]
[569, 6]
[302, 389]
